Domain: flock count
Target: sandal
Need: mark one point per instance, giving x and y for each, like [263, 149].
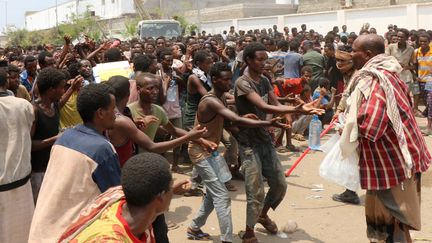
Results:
[197, 234]
[230, 187]
[194, 193]
[292, 148]
[268, 224]
[299, 137]
[172, 226]
[281, 149]
[252, 239]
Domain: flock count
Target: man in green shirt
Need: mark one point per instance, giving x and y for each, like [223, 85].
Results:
[314, 60]
[145, 110]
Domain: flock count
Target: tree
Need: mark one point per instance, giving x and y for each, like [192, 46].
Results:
[130, 27]
[82, 23]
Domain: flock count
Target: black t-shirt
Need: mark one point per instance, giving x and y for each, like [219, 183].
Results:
[245, 85]
[46, 127]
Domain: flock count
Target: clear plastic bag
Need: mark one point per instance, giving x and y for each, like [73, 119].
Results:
[344, 172]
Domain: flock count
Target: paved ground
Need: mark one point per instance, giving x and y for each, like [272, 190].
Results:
[319, 218]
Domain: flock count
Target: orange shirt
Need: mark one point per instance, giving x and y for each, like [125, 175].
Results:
[291, 85]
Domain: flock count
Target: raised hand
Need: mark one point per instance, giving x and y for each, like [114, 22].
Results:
[67, 39]
[77, 83]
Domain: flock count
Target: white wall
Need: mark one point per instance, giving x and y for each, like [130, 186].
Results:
[46, 18]
[321, 22]
[256, 23]
[411, 16]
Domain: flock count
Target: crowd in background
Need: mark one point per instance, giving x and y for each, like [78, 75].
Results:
[155, 110]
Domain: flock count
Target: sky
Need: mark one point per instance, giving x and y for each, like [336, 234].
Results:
[17, 8]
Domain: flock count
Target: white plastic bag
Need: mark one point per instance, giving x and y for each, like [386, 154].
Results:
[330, 143]
[343, 172]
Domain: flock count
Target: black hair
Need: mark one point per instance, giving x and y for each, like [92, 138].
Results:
[13, 69]
[41, 57]
[113, 55]
[91, 98]
[344, 39]
[181, 46]
[145, 176]
[424, 35]
[3, 77]
[308, 45]
[120, 86]
[352, 36]
[305, 89]
[251, 49]
[219, 67]
[66, 74]
[49, 78]
[251, 36]
[74, 69]
[160, 38]
[142, 63]
[405, 32]
[330, 46]
[323, 82]
[165, 52]
[200, 56]
[282, 44]
[294, 45]
[28, 59]
[142, 76]
[306, 69]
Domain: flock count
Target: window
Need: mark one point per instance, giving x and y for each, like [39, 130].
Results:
[103, 2]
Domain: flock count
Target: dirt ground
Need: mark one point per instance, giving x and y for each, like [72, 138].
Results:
[319, 218]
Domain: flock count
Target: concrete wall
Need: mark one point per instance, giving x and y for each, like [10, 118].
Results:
[46, 18]
[411, 16]
[104, 9]
[308, 6]
[242, 10]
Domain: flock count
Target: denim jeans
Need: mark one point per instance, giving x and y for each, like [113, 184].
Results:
[301, 124]
[217, 197]
[231, 146]
[258, 161]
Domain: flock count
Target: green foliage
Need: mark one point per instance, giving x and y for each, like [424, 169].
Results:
[81, 23]
[192, 27]
[22, 37]
[131, 26]
[77, 25]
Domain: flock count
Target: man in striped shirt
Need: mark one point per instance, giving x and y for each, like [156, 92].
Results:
[393, 152]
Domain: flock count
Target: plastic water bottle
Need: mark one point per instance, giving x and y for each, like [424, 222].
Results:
[315, 127]
[172, 91]
[220, 167]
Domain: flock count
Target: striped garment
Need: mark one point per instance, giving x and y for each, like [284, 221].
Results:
[381, 160]
[424, 63]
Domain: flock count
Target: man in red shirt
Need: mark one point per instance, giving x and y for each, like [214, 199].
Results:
[392, 150]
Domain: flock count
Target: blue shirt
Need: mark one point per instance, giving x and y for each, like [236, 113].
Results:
[292, 65]
[324, 101]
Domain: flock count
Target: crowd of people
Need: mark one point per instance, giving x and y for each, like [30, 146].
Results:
[85, 161]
